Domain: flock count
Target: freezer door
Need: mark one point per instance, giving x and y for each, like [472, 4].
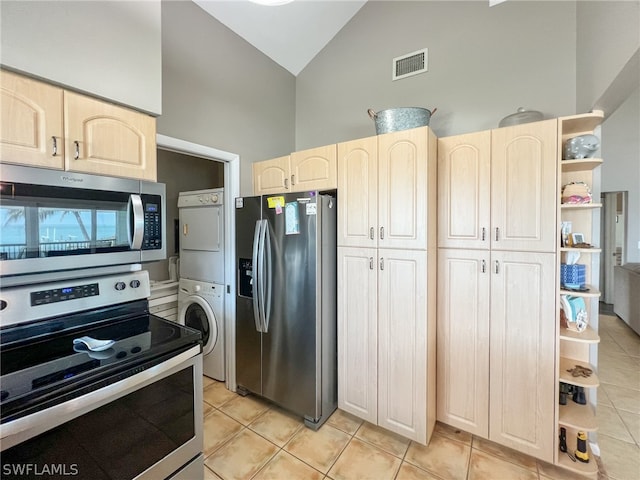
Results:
[291, 351]
[248, 343]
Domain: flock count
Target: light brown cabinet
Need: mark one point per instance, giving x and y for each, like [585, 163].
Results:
[386, 344]
[497, 238]
[386, 280]
[382, 182]
[32, 122]
[497, 188]
[55, 128]
[306, 170]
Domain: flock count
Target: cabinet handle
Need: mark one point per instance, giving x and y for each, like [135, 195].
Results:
[382, 263]
[497, 234]
[484, 234]
[371, 234]
[76, 156]
[185, 229]
[484, 266]
[286, 183]
[54, 148]
[293, 179]
[370, 263]
[497, 264]
[381, 233]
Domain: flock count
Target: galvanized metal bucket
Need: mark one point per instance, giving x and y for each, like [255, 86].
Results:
[396, 119]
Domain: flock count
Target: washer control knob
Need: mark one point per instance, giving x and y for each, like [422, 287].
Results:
[121, 286]
[134, 283]
[196, 288]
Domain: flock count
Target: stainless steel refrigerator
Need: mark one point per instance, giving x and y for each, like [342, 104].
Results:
[286, 301]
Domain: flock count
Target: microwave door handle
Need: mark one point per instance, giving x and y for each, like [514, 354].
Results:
[256, 276]
[136, 222]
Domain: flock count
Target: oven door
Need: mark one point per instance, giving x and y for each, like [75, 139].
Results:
[147, 426]
[53, 220]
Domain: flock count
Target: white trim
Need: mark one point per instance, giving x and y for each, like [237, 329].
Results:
[231, 191]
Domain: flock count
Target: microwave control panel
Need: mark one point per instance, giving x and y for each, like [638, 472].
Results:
[152, 239]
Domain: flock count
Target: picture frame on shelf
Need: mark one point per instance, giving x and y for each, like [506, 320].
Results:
[577, 238]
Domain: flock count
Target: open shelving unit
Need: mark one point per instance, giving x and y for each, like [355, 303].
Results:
[576, 348]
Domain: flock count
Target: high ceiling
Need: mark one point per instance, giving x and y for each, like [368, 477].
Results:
[290, 34]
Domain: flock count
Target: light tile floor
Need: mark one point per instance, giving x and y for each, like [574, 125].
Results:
[247, 438]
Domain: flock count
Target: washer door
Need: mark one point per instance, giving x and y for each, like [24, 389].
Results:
[197, 314]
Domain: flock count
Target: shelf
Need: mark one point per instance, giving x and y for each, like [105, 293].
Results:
[588, 336]
[580, 164]
[591, 293]
[566, 377]
[580, 206]
[588, 469]
[578, 124]
[580, 250]
[580, 417]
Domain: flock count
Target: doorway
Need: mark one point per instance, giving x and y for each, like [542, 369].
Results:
[231, 182]
[614, 239]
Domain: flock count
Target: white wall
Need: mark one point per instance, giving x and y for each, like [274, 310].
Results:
[105, 48]
[608, 34]
[219, 91]
[484, 63]
[621, 167]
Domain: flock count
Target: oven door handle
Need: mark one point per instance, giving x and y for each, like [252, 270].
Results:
[135, 225]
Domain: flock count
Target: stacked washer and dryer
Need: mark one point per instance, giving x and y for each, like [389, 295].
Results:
[201, 284]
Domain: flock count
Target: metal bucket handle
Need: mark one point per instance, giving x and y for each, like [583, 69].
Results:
[374, 115]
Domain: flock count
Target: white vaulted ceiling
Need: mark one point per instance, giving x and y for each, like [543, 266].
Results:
[290, 34]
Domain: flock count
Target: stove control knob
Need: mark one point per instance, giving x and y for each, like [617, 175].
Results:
[134, 283]
[121, 286]
[214, 198]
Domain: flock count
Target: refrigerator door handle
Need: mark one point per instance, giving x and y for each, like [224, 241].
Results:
[264, 233]
[255, 275]
[267, 279]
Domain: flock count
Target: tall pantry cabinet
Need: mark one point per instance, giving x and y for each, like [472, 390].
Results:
[497, 207]
[386, 280]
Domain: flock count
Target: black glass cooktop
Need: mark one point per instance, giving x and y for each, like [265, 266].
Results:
[41, 366]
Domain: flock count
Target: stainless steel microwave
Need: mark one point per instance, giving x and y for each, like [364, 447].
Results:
[52, 221]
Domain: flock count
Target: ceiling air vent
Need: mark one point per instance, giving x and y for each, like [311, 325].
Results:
[410, 64]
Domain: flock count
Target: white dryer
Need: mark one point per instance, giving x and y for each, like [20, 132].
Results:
[201, 307]
[202, 235]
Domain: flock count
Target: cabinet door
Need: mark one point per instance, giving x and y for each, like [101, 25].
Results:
[106, 139]
[31, 132]
[358, 190]
[271, 176]
[403, 187]
[314, 169]
[463, 340]
[522, 352]
[403, 343]
[464, 193]
[524, 187]
[358, 332]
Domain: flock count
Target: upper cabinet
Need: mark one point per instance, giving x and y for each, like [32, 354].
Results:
[303, 171]
[523, 187]
[54, 128]
[464, 190]
[32, 123]
[384, 183]
[105, 139]
[497, 188]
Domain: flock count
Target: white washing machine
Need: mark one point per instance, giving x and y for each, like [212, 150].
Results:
[202, 235]
[201, 307]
